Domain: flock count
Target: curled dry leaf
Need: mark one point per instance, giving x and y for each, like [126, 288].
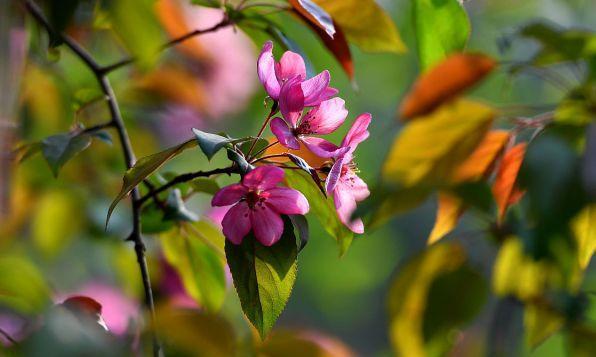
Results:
[504, 189]
[314, 15]
[444, 82]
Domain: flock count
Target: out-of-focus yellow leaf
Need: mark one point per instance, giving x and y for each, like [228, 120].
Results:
[450, 208]
[540, 323]
[194, 333]
[504, 188]
[516, 274]
[429, 149]
[288, 343]
[584, 228]
[22, 287]
[445, 81]
[365, 24]
[581, 341]
[58, 218]
[197, 255]
[408, 296]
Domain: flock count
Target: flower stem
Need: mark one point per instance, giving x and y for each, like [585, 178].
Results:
[267, 119]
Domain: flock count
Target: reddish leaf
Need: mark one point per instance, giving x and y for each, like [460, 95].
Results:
[82, 303]
[504, 189]
[314, 15]
[443, 82]
[449, 210]
[480, 162]
[338, 45]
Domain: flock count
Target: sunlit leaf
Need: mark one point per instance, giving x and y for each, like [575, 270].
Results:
[584, 229]
[200, 265]
[516, 274]
[429, 149]
[504, 188]
[449, 209]
[22, 287]
[442, 28]
[540, 323]
[58, 149]
[445, 81]
[136, 25]
[434, 294]
[315, 15]
[263, 277]
[482, 160]
[145, 167]
[185, 332]
[577, 107]
[322, 208]
[365, 24]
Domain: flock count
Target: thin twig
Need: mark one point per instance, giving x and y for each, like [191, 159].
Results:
[265, 122]
[185, 178]
[127, 151]
[265, 148]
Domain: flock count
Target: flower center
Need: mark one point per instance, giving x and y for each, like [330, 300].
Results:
[255, 199]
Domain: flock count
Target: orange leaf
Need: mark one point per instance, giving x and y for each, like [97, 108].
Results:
[449, 210]
[338, 45]
[312, 159]
[445, 81]
[480, 162]
[504, 189]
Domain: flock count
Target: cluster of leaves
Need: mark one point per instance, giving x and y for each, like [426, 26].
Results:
[474, 157]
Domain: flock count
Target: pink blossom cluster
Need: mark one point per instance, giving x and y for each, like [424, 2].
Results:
[309, 109]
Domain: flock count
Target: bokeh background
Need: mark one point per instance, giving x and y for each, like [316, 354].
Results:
[210, 83]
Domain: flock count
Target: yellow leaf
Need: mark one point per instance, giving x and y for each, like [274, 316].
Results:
[430, 148]
[450, 208]
[516, 274]
[408, 296]
[540, 323]
[365, 24]
[584, 228]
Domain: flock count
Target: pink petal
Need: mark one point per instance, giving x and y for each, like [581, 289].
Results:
[321, 147]
[267, 225]
[263, 177]
[329, 93]
[291, 100]
[360, 189]
[358, 132]
[287, 201]
[290, 65]
[284, 134]
[315, 89]
[236, 223]
[327, 117]
[229, 195]
[334, 175]
[345, 206]
[266, 70]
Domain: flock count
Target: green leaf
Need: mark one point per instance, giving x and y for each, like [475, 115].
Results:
[191, 252]
[103, 136]
[240, 160]
[210, 144]
[263, 276]
[61, 13]
[300, 223]
[322, 208]
[145, 167]
[136, 24]
[207, 3]
[442, 27]
[58, 149]
[152, 219]
[584, 229]
[22, 287]
[176, 209]
[204, 184]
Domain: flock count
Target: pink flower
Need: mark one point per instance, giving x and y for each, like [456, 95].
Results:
[273, 75]
[258, 206]
[343, 182]
[321, 120]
